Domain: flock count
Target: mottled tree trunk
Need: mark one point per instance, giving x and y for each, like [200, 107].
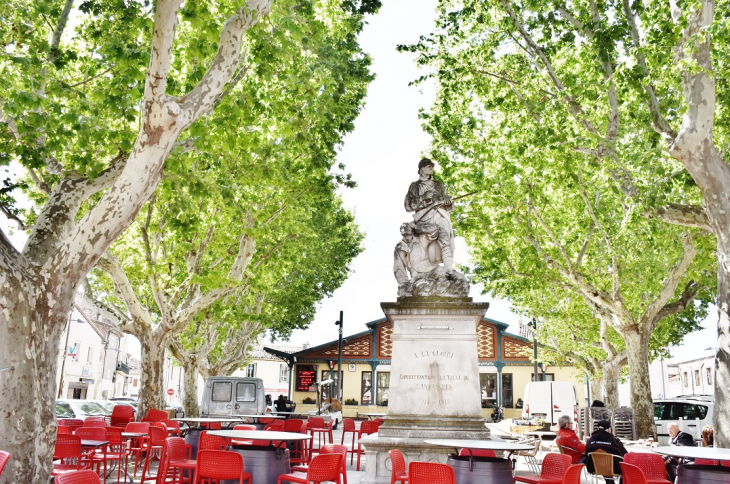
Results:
[638, 355]
[596, 383]
[610, 385]
[151, 383]
[721, 416]
[190, 387]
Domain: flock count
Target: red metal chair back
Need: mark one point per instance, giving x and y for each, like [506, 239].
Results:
[68, 447]
[211, 442]
[293, 425]
[138, 427]
[94, 423]
[572, 475]
[4, 458]
[430, 473]
[122, 415]
[325, 467]
[369, 427]
[397, 463]
[336, 449]
[91, 433]
[155, 415]
[554, 465]
[632, 474]
[219, 464]
[478, 453]
[652, 465]
[78, 477]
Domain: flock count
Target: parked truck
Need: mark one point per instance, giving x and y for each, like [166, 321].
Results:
[548, 400]
[229, 396]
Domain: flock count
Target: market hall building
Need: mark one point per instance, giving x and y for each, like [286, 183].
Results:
[505, 367]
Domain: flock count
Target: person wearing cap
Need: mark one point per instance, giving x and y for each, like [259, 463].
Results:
[430, 202]
[602, 439]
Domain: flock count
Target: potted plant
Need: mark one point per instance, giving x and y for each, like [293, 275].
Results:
[309, 401]
[351, 401]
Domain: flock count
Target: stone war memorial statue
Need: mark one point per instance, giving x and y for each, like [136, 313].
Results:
[428, 241]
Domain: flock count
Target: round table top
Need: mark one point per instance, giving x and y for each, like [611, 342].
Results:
[259, 435]
[206, 419]
[479, 444]
[541, 433]
[694, 452]
[268, 415]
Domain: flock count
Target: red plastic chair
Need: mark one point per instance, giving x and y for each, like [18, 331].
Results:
[68, 452]
[430, 473]
[175, 460]
[94, 457]
[651, 465]
[329, 449]
[116, 451]
[572, 475]
[61, 430]
[220, 464]
[324, 467]
[211, 442]
[477, 453]
[155, 415]
[631, 474]
[298, 454]
[77, 477]
[366, 428]
[122, 415]
[315, 425]
[554, 466]
[173, 427]
[243, 441]
[74, 423]
[135, 446]
[4, 458]
[398, 467]
[706, 462]
[152, 447]
[95, 422]
[348, 426]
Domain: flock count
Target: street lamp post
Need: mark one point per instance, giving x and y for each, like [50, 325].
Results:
[65, 353]
[339, 358]
[533, 324]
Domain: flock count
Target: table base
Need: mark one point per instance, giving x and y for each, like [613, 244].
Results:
[481, 470]
[265, 464]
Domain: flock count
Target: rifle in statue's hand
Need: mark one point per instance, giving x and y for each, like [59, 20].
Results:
[441, 202]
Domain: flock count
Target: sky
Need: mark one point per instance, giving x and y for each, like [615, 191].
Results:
[382, 153]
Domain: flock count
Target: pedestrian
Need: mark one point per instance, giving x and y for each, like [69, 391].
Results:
[708, 436]
[602, 439]
[679, 438]
[567, 439]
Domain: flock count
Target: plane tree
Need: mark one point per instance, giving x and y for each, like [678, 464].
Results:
[94, 97]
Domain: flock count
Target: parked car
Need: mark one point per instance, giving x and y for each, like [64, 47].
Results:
[548, 400]
[691, 413]
[63, 410]
[81, 408]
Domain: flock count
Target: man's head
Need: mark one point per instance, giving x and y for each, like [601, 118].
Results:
[673, 429]
[423, 163]
[603, 425]
[565, 422]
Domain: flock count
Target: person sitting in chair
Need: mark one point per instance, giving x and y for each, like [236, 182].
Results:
[281, 404]
[679, 438]
[602, 439]
[567, 439]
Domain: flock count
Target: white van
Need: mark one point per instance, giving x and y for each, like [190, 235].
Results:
[548, 400]
[228, 396]
[692, 413]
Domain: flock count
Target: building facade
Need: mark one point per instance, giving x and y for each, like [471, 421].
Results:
[505, 367]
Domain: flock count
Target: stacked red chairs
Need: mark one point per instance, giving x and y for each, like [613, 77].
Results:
[348, 426]
[215, 465]
[398, 472]
[329, 449]
[632, 474]
[175, 461]
[430, 473]
[4, 458]
[323, 468]
[553, 469]
[78, 477]
[122, 415]
[366, 428]
[68, 452]
[152, 447]
[651, 465]
[211, 442]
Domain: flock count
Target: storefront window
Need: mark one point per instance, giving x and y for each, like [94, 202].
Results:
[488, 384]
[507, 398]
[366, 389]
[382, 389]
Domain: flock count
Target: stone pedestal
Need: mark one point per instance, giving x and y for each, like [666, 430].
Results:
[434, 382]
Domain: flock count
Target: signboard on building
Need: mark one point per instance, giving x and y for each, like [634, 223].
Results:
[306, 377]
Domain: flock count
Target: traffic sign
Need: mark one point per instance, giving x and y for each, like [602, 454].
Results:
[170, 391]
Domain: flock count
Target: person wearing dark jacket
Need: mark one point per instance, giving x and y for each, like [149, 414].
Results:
[567, 439]
[679, 438]
[602, 439]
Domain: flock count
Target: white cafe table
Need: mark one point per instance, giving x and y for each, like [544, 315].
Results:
[497, 445]
[694, 452]
[259, 435]
[374, 415]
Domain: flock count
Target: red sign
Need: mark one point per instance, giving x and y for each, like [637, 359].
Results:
[306, 377]
[170, 391]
